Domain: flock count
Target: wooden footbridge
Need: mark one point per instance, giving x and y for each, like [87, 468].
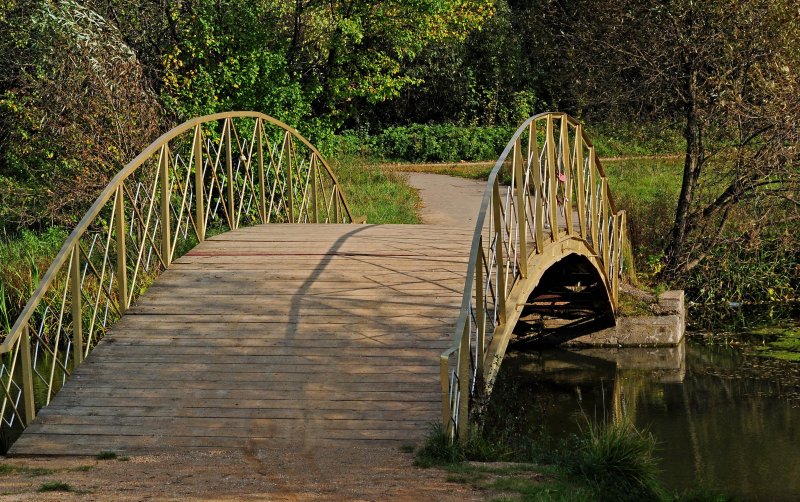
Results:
[220, 293]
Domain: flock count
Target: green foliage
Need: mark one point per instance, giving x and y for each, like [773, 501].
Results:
[608, 461]
[74, 108]
[453, 143]
[635, 138]
[106, 455]
[747, 270]
[229, 59]
[429, 143]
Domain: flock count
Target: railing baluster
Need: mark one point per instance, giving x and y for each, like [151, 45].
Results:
[538, 205]
[262, 182]
[553, 180]
[593, 202]
[613, 243]
[498, 252]
[75, 301]
[463, 382]
[234, 220]
[566, 162]
[199, 185]
[166, 235]
[27, 375]
[313, 171]
[291, 178]
[480, 307]
[336, 215]
[522, 221]
[122, 255]
[604, 225]
[579, 178]
[444, 381]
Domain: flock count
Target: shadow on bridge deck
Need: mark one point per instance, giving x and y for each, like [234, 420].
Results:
[310, 334]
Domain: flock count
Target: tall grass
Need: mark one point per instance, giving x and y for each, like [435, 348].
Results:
[383, 197]
[616, 461]
[23, 260]
[647, 189]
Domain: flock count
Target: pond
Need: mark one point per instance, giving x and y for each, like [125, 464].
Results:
[723, 417]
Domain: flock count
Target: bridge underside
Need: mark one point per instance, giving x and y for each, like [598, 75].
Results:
[313, 333]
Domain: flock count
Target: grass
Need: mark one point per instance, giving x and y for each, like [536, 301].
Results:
[23, 260]
[509, 456]
[383, 197]
[647, 189]
[633, 306]
[55, 486]
[608, 461]
[6, 470]
[106, 455]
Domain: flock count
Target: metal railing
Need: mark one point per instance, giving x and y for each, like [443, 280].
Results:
[210, 174]
[554, 200]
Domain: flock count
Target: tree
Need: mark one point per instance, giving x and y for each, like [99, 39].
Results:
[74, 108]
[727, 71]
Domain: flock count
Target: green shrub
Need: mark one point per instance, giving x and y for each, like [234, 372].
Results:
[426, 143]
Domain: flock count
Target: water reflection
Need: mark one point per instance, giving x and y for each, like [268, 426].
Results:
[727, 429]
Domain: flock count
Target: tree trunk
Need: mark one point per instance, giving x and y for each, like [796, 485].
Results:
[695, 157]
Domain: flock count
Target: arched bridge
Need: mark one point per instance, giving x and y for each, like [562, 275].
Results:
[249, 304]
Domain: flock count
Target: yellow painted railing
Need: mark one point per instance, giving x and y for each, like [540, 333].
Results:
[553, 201]
[211, 174]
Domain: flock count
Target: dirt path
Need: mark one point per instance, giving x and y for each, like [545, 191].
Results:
[280, 474]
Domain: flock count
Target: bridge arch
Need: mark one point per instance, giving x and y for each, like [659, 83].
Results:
[547, 197]
[208, 175]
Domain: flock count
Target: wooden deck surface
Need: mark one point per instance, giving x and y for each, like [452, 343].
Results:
[318, 334]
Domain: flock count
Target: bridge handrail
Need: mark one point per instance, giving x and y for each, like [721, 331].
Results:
[126, 237]
[549, 182]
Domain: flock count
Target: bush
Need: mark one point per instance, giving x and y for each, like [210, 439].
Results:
[427, 143]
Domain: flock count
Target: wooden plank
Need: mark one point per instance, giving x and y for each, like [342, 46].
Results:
[264, 334]
[256, 404]
[134, 424]
[222, 413]
[111, 372]
[118, 349]
[113, 381]
[321, 396]
[276, 345]
[224, 432]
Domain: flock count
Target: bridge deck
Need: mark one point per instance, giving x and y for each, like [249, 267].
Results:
[312, 333]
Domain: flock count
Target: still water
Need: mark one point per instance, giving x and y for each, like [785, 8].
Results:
[726, 420]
